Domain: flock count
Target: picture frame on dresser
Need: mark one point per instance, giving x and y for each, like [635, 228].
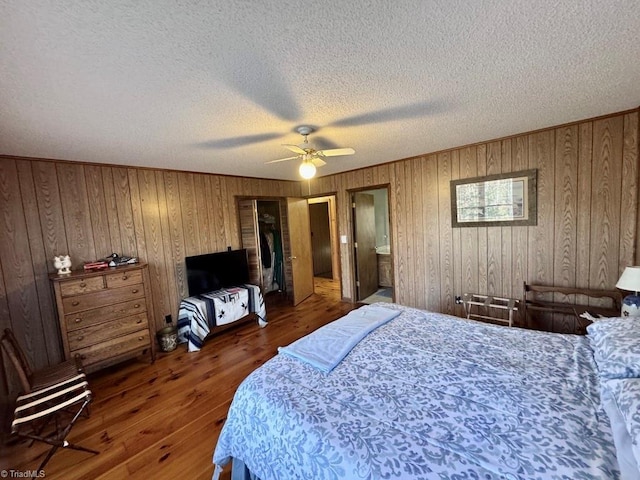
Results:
[105, 316]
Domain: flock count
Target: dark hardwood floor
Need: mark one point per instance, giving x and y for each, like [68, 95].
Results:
[162, 420]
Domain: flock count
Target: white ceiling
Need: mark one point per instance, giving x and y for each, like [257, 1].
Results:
[218, 86]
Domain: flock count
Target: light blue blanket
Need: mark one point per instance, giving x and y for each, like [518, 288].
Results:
[325, 348]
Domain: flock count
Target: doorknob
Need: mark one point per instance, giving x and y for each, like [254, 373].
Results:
[292, 258]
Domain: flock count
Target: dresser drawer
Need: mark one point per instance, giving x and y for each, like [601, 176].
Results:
[109, 296]
[105, 314]
[101, 332]
[114, 347]
[82, 285]
[122, 279]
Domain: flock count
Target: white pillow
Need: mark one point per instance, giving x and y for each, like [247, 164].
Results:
[616, 346]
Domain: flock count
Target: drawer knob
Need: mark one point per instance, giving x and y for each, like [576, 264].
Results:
[124, 277]
[82, 285]
[137, 305]
[75, 303]
[78, 320]
[80, 338]
[139, 321]
[140, 338]
[135, 290]
[83, 357]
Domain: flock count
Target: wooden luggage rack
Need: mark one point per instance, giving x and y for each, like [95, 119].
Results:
[470, 300]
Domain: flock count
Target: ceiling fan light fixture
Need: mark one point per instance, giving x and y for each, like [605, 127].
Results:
[311, 158]
[307, 169]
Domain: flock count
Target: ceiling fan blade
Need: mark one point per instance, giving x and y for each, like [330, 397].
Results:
[282, 159]
[335, 152]
[240, 141]
[323, 143]
[318, 162]
[414, 110]
[294, 148]
[266, 83]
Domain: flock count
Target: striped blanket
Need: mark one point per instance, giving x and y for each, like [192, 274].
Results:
[199, 314]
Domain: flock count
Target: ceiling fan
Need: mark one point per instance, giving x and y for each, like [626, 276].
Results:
[311, 158]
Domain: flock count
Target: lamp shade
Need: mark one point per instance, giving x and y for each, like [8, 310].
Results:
[307, 169]
[630, 281]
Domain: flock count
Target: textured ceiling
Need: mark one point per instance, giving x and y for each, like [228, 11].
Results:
[218, 86]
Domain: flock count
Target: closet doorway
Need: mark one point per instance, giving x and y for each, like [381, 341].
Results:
[262, 227]
[276, 234]
[325, 247]
[270, 241]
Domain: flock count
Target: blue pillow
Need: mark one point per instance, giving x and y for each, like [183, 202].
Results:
[625, 393]
[616, 346]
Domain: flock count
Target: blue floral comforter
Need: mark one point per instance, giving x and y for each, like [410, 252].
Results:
[427, 396]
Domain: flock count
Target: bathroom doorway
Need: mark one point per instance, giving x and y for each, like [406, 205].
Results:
[373, 272]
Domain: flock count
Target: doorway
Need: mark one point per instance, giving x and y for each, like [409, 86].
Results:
[276, 234]
[373, 272]
[270, 243]
[325, 247]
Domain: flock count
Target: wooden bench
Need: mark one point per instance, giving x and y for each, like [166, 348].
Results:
[544, 299]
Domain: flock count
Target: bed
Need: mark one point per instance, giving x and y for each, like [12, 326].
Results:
[430, 396]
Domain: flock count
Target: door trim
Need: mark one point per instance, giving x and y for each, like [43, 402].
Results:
[336, 262]
[352, 254]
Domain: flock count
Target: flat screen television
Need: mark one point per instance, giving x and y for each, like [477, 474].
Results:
[213, 271]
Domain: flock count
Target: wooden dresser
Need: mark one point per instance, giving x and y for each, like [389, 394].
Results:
[105, 316]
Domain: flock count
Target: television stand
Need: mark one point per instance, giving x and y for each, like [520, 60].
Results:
[201, 315]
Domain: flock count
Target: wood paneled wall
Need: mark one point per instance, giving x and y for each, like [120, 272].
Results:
[587, 228]
[90, 211]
